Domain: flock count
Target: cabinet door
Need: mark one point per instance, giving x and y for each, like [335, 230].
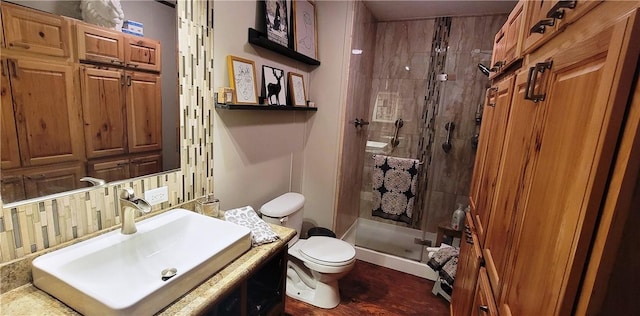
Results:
[9, 146]
[145, 165]
[584, 105]
[500, 108]
[48, 115]
[537, 26]
[52, 179]
[104, 112]
[142, 53]
[512, 181]
[144, 112]
[109, 169]
[35, 31]
[566, 12]
[469, 261]
[512, 43]
[99, 44]
[483, 302]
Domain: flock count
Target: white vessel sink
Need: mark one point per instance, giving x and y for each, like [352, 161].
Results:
[116, 274]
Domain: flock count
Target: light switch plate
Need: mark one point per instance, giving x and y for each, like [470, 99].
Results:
[157, 196]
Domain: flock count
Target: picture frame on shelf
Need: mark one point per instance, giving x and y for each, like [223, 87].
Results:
[242, 79]
[297, 91]
[277, 21]
[305, 33]
[273, 85]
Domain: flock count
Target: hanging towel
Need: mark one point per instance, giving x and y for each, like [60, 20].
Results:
[394, 187]
[261, 232]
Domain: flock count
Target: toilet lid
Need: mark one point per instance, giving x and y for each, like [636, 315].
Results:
[327, 251]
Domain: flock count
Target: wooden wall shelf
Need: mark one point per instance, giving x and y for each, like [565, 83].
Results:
[260, 39]
[262, 107]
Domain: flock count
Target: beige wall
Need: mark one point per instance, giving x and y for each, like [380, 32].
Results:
[260, 155]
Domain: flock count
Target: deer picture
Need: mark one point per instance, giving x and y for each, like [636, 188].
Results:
[273, 89]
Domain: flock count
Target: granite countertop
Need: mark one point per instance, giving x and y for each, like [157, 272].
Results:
[29, 300]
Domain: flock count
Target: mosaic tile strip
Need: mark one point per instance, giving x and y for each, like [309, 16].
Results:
[38, 226]
[438, 57]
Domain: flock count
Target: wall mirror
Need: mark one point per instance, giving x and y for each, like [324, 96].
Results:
[127, 106]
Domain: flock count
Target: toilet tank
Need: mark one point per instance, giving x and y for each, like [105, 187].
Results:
[285, 210]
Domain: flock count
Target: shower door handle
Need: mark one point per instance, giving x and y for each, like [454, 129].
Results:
[360, 122]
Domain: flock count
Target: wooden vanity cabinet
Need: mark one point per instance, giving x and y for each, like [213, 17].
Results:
[37, 32]
[261, 293]
[483, 302]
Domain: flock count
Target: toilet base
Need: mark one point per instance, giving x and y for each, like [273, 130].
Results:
[323, 295]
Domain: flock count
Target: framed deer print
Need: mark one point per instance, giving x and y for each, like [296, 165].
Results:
[297, 92]
[273, 86]
[242, 78]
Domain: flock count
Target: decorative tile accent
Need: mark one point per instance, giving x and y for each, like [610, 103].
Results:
[41, 225]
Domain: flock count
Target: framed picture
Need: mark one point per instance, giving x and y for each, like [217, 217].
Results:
[242, 78]
[273, 85]
[297, 92]
[277, 21]
[305, 39]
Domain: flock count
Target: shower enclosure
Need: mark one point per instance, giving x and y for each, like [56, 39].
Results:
[423, 93]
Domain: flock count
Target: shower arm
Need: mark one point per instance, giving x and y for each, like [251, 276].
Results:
[394, 140]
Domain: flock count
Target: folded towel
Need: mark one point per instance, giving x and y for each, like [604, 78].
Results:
[441, 257]
[261, 232]
[448, 272]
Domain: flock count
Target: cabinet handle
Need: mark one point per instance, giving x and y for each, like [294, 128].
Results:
[469, 241]
[122, 80]
[132, 65]
[115, 61]
[557, 11]
[531, 81]
[483, 308]
[492, 89]
[13, 71]
[128, 80]
[20, 45]
[9, 180]
[541, 26]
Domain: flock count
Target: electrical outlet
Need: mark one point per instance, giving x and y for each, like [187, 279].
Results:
[157, 196]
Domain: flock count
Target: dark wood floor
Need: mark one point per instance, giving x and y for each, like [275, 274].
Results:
[373, 290]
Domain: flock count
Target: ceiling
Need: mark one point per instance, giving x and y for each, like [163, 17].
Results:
[394, 10]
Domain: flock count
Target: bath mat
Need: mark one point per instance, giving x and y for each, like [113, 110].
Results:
[394, 187]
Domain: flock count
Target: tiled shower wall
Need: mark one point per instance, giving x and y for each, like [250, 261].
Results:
[402, 67]
[32, 227]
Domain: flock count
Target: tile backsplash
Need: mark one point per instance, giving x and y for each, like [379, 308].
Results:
[37, 226]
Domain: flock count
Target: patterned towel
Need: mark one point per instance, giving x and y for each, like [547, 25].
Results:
[448, 272]
[394, 187]
[261, 232]
[441, 257]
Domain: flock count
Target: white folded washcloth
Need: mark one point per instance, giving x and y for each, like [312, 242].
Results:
[261, 232]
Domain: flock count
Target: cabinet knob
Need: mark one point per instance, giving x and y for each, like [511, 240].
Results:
[541, 26]
[483, 308]
[557, 11]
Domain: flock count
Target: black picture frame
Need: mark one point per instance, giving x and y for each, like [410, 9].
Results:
[274, 85]
[277, 21]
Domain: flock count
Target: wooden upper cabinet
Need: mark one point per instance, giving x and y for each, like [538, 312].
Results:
[513, 33]
[28, 30]
[9, 146]
[584, 105]
[545, 17]
[99, 44]
[104, 111]
[142, 53]
[47, 112]
[144, 111]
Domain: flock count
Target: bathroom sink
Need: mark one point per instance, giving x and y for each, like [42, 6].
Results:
[139, 274]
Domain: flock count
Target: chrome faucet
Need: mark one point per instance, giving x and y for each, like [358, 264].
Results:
[129, 203]
[94, 181]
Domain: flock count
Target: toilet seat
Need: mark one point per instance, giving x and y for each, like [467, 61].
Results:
[327, 251]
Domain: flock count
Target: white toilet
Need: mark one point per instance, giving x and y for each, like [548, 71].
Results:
[315, 264]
